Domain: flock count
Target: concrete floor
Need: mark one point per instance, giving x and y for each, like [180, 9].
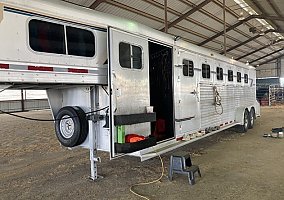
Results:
[233, 166]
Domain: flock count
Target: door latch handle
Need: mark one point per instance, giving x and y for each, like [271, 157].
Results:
[194, 92]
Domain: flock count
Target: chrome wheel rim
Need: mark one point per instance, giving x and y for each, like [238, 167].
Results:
[252, 119]
[67, 126]
[246, 120]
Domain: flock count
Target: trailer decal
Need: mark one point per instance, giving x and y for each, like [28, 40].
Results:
[51, 69]
[40, 68]
[72, 70]
[4, 66]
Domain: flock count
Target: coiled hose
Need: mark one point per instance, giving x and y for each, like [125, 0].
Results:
[217, 100]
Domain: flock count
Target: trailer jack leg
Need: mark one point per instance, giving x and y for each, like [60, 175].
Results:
[94, 168]
[93, 151]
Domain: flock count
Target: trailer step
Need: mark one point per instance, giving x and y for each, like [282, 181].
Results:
[165, 147]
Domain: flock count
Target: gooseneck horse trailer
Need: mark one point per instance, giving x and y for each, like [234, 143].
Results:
[118, 86]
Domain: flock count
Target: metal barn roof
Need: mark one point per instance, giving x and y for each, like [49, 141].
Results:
[254, 28]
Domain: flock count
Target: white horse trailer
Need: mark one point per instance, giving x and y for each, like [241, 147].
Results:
[106, 77]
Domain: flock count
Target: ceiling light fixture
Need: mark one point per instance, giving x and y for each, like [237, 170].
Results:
[241, 17]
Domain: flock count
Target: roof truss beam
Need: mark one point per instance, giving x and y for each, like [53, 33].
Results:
[271, 59]
[240, 23]
[185, 15]
[174, 12]
[253, 38]
[274, 52]
[96, 4]
[257, 50]
[260, 8]
[274, 7]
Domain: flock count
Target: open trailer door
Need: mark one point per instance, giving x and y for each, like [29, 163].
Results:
[129, 93]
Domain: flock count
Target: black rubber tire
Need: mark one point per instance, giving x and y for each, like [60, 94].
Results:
[246, 121]
[244, 128]
[68, 136]
[84, 125]
[251, 118]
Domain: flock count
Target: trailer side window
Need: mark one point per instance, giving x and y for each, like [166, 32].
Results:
[80, 42]
[188, 68]
[205, 71]
[219, 73]
[46, 37]
[124, 55]
[239, 77]
[246, 78]
[130, 56]
[137, 57]
[230, 75]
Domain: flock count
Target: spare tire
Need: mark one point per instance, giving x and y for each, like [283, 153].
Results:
[84, 125]
[70, 126]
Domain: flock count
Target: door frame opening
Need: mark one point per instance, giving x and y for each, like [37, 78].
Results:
[161, 89]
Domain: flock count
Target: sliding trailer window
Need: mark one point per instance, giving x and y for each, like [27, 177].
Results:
[230, 75]
[219, 72]
[188, 68]
[239, 77]
[80, 42]
[46, 37]
[50, 37]
[205, 71]
[130, 56]
[246, 78]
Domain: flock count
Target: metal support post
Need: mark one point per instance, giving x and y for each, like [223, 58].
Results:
[166, 15]
[22, 101]
[269, 96]
[225, 36]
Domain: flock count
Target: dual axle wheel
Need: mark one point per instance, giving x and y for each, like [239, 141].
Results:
[249, 118]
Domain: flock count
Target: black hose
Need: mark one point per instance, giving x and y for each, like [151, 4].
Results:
[49, 120]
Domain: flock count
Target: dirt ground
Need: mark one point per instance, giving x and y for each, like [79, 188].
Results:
[233, 165]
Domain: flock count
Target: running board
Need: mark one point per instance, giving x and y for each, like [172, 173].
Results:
[165, 147]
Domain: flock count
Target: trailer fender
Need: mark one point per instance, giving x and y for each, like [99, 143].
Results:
[257, 108]
[239, 115]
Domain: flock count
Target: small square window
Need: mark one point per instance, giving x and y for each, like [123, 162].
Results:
[130, 56]
[230, 75]
[205, 71]
[188, 68]
[137, 57]
[239, 77]
[219, 72]
[246, 78]
[124, 55]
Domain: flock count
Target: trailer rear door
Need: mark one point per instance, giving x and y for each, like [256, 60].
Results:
[128, 89]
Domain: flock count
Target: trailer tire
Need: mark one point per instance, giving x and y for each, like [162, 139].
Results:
[84, 125]
[244, 128]
[246, 121]
[251, 118]
[68, 126]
